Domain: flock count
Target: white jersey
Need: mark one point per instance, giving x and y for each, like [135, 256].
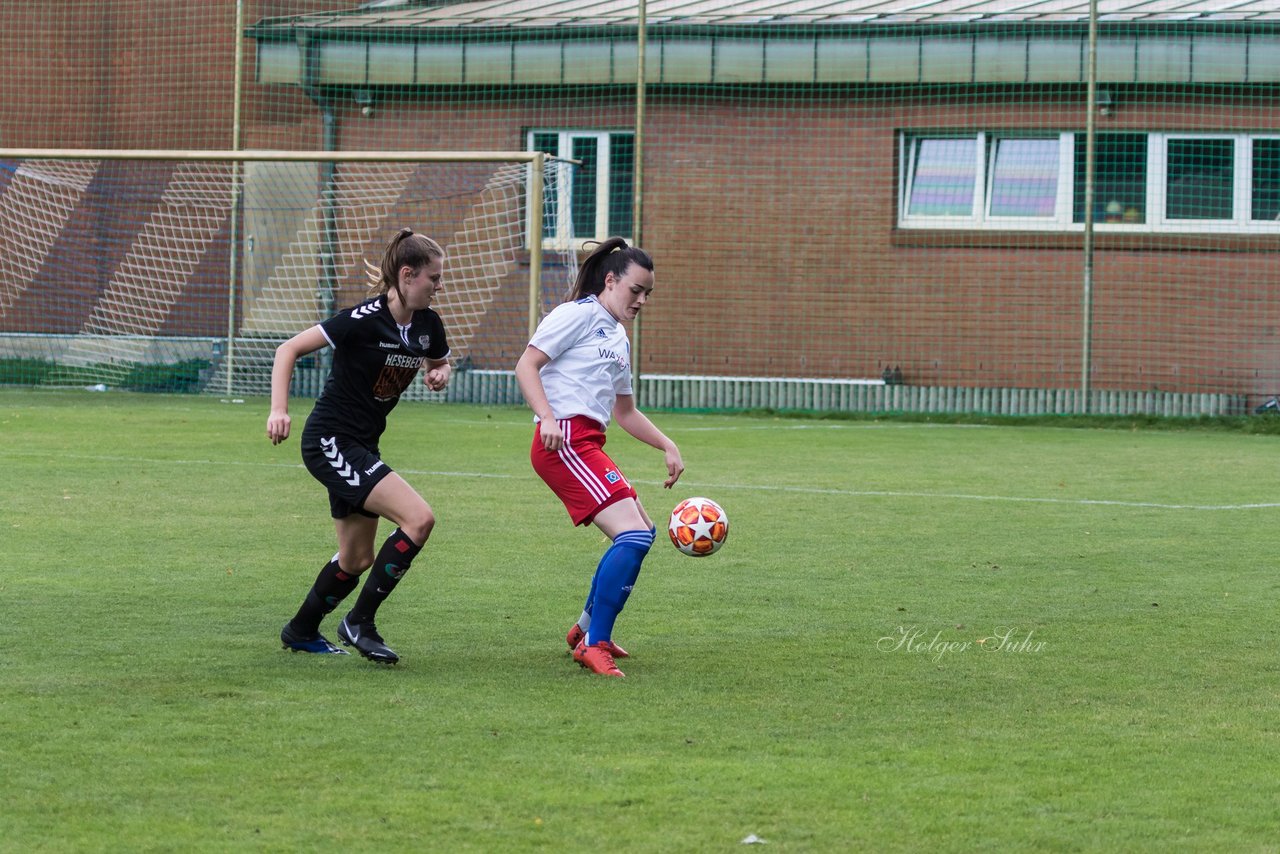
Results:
[590, 360]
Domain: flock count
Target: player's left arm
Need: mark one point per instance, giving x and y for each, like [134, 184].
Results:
[438, 373]
[635, 422]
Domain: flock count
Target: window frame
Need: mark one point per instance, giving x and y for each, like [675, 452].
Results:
[563, 238]
[910, 154]
[1157, 162]
[1247, 163]
[1062, 189]
[1157, 191]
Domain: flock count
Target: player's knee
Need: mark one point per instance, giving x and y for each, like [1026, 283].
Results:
[418, 526]
[355, 563]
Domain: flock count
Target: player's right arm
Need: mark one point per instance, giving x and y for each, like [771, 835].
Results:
[529, 378]
[287, 355]
[556, 333]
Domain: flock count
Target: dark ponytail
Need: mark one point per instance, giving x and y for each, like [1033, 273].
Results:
[610, 256]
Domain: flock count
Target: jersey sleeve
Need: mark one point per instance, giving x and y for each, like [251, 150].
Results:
[439, 347]
[337, 328]
[561, 329]
[622, 384]
[343, 324]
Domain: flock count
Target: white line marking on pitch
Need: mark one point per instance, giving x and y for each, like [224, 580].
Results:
[706, 487]
[733, 428]
[962, 496]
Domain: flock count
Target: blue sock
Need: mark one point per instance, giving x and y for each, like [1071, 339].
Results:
[584, 622]
[616, 575]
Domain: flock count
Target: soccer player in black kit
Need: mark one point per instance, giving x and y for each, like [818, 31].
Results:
[379, 346]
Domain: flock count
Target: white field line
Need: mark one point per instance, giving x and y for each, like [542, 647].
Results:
[961, 496]
[708, 487]
[734, 428]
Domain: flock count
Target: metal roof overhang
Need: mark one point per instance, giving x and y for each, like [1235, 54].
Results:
[342, 52]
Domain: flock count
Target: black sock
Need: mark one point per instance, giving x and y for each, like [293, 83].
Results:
[331, 587]
[389, 567]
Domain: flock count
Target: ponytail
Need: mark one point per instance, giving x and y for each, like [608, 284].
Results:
[406, 249]
[609, 256]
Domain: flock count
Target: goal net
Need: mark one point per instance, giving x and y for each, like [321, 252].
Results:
[183, 271]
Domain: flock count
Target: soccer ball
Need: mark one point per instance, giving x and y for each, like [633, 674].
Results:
[698, 527]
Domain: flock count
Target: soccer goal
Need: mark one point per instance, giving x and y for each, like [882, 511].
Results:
[183, 270]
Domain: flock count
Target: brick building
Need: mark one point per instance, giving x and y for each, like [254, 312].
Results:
[832, 190]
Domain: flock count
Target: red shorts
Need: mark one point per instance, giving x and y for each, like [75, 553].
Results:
[580, 473]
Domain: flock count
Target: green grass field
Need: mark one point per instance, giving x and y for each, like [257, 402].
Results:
[920, 637]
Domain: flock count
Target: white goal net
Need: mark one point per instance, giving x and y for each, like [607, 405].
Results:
[184, 274]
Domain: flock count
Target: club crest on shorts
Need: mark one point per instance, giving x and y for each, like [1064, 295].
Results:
[612, 476]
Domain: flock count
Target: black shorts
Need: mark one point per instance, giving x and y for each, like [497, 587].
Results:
[347, 469]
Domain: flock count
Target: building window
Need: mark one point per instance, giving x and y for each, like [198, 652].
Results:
[983, 180]
[1024, 177]
[1120, 175]
[1149, 182]
[942, 176]
[1265, 186]
[592, 201]
[1199, 179]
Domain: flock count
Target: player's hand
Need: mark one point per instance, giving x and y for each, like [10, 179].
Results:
[436, 379]
[552, 435]
[675, 468]
[278, 427]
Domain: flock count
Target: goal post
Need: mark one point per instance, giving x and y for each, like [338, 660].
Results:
[182, 270]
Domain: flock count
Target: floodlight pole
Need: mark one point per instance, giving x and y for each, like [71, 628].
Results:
[237, 168]
[637, 191]
[536, 191]
[1090, 125]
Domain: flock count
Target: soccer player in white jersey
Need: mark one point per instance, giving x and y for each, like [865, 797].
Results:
[576, 377]
[379, 347]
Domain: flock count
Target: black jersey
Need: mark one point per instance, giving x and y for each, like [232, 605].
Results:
[374, 361]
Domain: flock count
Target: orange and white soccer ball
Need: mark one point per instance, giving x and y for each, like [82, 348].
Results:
[698, 527]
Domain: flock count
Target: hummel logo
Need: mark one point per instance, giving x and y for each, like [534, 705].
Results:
[387, 345]
[339, 464]
[362, 311]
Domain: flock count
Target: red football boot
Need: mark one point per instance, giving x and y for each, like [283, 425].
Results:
[576, 636]
[596, 658]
